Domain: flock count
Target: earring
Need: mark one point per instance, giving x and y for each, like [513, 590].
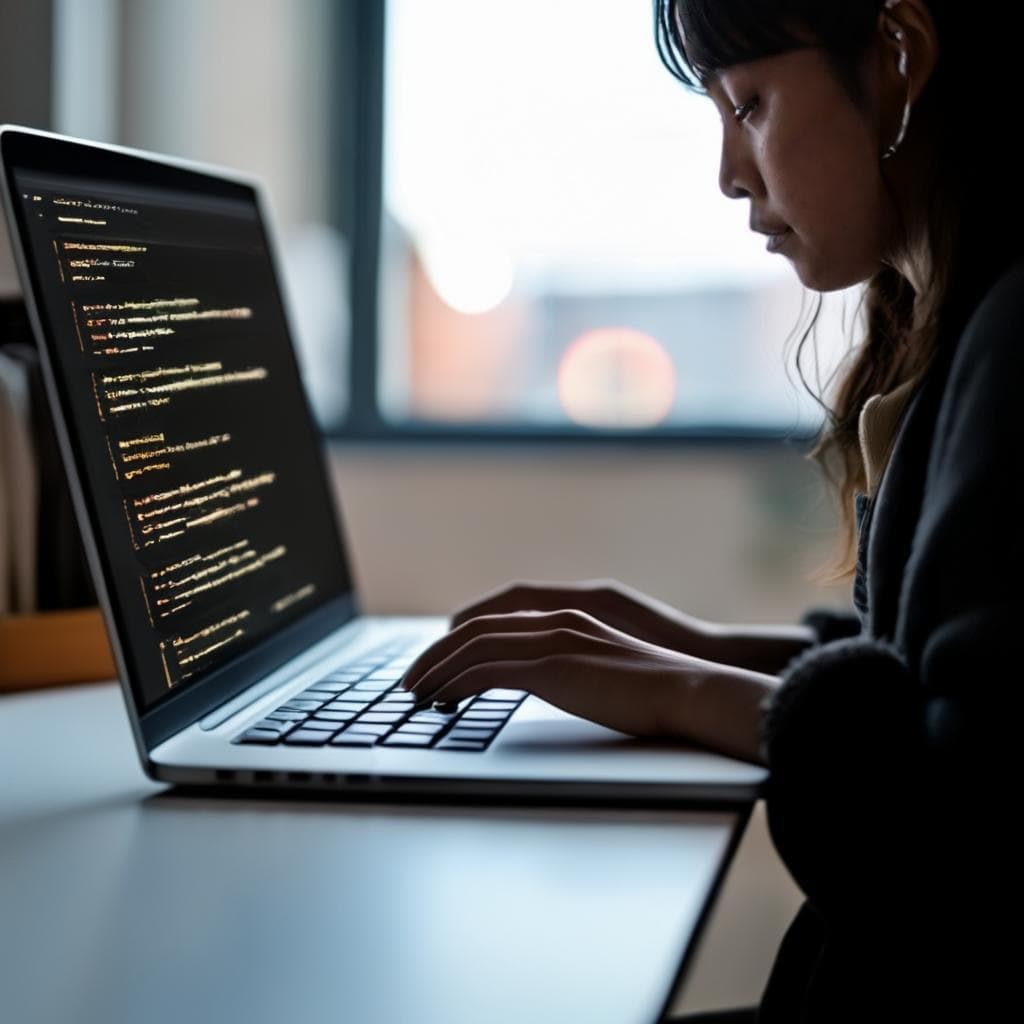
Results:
[897, 34]
[906, 111]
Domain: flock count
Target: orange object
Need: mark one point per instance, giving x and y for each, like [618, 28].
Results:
[54, 649]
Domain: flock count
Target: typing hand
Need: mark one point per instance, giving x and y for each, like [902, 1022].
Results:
[566, 657]
[613, 603]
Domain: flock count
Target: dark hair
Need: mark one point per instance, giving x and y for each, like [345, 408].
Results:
[960, 109]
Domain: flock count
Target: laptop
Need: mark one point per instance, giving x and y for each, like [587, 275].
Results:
[214, 538]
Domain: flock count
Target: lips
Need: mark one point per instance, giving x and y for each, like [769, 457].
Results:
[768, 229]
[777, 233]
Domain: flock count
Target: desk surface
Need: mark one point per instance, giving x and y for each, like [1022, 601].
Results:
[123, 902]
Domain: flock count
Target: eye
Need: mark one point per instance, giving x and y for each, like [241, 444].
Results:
[739, 113]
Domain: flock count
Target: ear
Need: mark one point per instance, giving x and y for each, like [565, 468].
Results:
[910, 42]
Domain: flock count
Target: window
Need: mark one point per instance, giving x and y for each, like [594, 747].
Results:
[555, 256]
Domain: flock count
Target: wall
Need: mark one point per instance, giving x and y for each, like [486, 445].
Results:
[727, 533]
[236, 82]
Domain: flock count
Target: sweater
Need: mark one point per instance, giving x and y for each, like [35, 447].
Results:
[889, 742]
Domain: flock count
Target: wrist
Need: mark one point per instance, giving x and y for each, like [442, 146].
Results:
[721, 707]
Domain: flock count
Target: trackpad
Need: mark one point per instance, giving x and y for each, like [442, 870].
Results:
[538, 725]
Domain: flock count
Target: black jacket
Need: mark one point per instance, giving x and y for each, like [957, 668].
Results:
[890, 797]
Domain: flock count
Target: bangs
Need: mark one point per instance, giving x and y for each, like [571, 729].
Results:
[698, 38]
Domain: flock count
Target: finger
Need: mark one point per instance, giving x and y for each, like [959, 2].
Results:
[478, 605]
[495, 648]
[521, 622]
[597, 597]
[517, 597]
[587, 685]
[486, 649]
[534, 675]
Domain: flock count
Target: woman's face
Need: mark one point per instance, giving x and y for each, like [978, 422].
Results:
[807, 158]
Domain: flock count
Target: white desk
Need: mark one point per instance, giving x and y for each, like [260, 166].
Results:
[122, 903]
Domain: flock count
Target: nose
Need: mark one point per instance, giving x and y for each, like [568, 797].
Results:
[737, 175]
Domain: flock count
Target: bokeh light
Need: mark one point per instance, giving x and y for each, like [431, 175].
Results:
[471, 274]
[616, 377]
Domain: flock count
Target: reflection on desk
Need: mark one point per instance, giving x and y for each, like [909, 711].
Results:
[126, 902]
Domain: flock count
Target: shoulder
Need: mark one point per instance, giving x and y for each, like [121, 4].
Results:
[971, 485]
[993, 330]
[1006, 289]
[982, 388]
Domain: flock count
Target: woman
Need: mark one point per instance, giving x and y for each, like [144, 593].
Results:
[871, 138]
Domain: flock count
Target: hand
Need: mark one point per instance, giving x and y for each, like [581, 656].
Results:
[609, 601]
[566, 657]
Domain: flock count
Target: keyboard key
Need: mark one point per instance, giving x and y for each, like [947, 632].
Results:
[460, 733]
[301, 705]
[406, 739]
[424, 728]
[307, 738]
[497, 705]
[398, 698]
[375, 686]
[390, 674]
[348, 705]
[430, 716]
[324, 725]
[453, 744]
[354, 739]
[280, 715]
[314, 695]
[278, 727]
[485, 716]
[382, 716]
[330, 686]
[515, 695]
[268, 736]
[373, 728]
[344, 676]
[334, 716]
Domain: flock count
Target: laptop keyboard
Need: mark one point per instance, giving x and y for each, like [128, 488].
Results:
[362, 705]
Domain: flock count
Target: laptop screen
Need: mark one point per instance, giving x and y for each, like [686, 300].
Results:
[181, 393]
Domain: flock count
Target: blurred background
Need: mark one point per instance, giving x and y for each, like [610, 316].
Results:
[540, 342]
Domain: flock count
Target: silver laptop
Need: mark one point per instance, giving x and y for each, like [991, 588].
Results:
[213, 537]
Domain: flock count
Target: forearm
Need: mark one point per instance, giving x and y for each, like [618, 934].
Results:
[759, 648]
[721, 707]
